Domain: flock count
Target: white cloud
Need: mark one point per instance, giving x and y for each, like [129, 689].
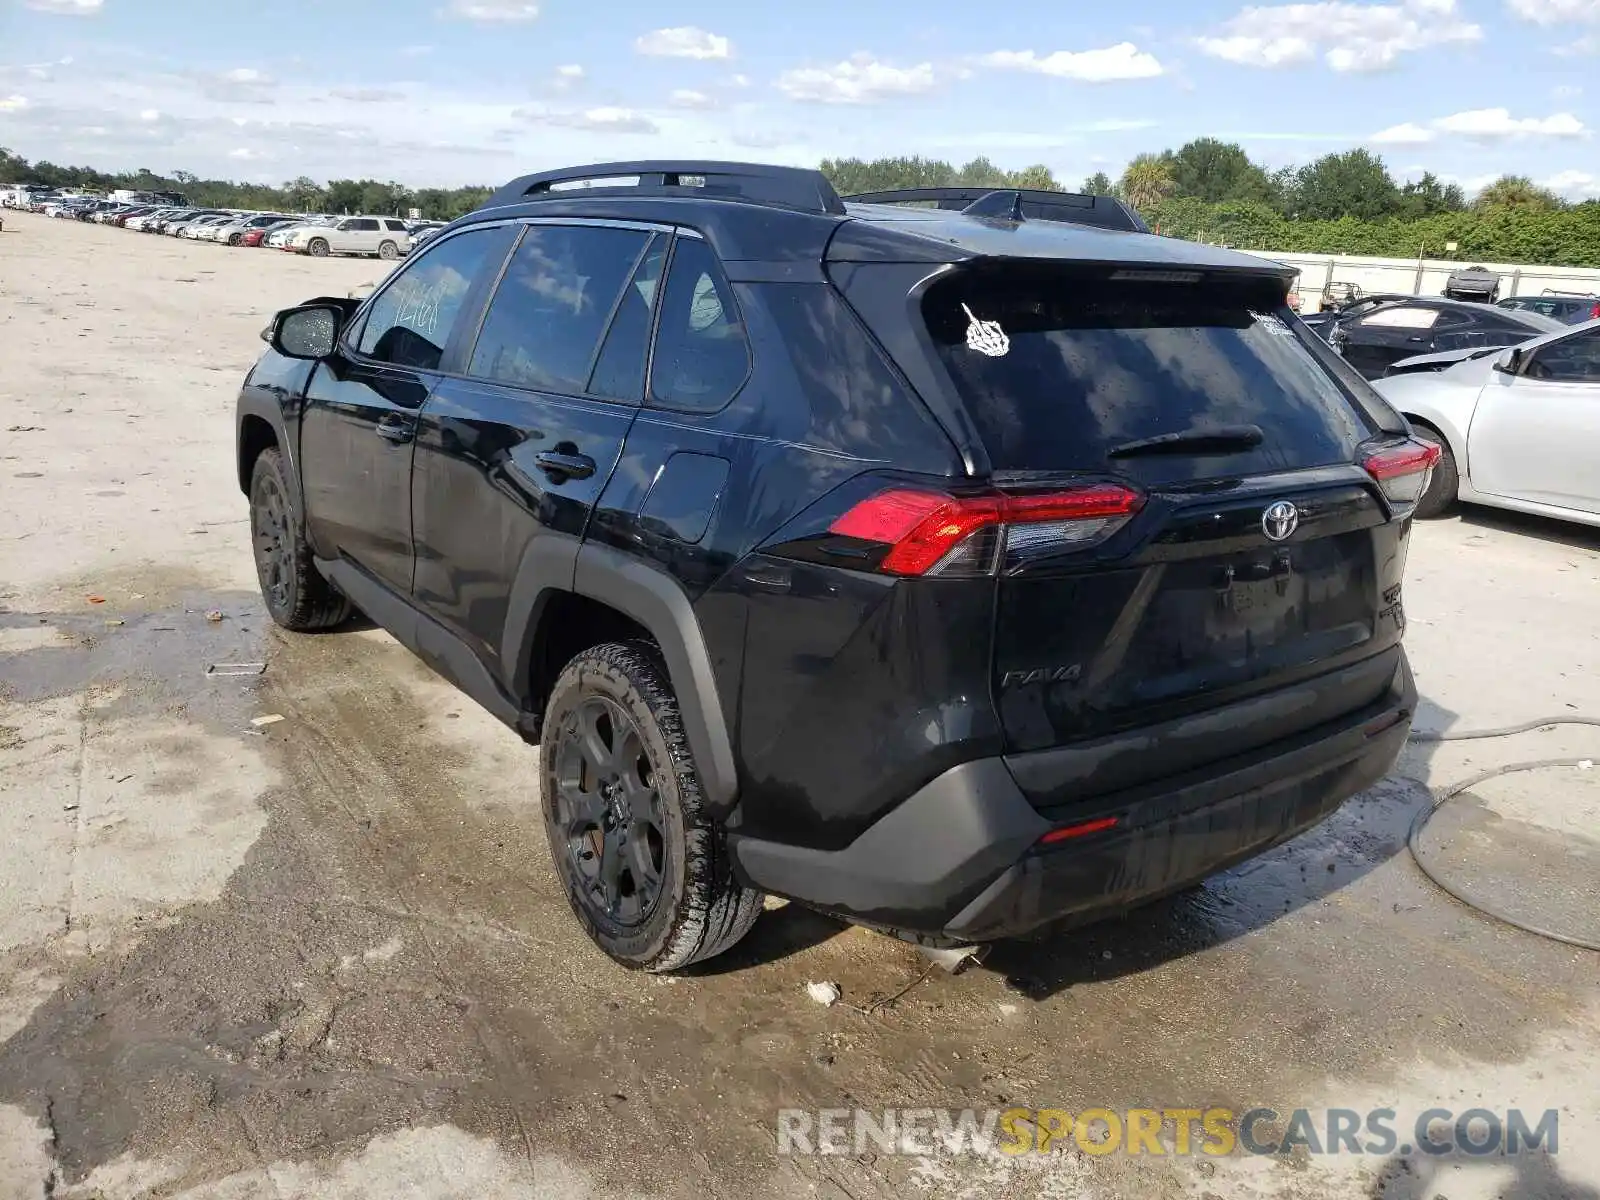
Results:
[1566, 91]
[606, 119]
[150, 114]
[1408, 134]
[1349, 36]
[740, 81]
[1589, 44]
[246, 75]
[1122, 61]
[492, 10]
[368, 95]
[1574, 185]
[244, 154]
[72, 8]
[1483, 125]
[1493, 124]
[570, 71]
[858, 80]
[13, 103]
[689, 98]
[1555, 12]
[684, 41]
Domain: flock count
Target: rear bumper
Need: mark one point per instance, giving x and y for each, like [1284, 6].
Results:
[960, 859]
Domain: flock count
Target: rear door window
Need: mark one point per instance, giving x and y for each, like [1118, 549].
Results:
[543, 327]
[1057, 371]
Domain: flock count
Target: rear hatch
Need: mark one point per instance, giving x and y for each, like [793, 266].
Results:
[1254, 552]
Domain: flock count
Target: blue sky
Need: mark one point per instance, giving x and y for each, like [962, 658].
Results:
[457, 91]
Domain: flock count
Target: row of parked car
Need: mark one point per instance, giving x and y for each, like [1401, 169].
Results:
[316, 234]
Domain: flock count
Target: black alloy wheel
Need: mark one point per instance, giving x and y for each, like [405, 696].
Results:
[608, 813]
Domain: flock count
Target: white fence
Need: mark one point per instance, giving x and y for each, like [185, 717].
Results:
[1425, 277]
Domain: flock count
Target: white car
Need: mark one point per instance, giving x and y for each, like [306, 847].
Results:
[385, 237]
[1518, 428]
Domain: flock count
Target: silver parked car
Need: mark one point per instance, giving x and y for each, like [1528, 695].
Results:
[385, 237]
[1519, 428]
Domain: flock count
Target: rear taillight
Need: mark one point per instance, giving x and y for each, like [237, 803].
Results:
[1594, 313]
[1403, 469]
[931, 533]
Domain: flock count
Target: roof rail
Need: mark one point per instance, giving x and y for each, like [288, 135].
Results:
[1018, 204]
[800, 188]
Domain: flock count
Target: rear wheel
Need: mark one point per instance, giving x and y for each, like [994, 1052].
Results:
[388, 250]
[318, 248]
[236, 239]
[297, 595]
[1440, 497]
[643, 864]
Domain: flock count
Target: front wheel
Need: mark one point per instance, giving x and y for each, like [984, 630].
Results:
[643, 864]
[1442, 487]
[389, 251]
[297, 595]
[318, 248]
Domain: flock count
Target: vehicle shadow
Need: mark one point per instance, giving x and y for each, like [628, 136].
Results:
[1532, 1176]
[1367, 831]
[1547, 529]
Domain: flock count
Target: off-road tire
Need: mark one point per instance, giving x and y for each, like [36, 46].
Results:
[388, 251]
[701, 909]
[1440, 497]
[296, 594]
[317, 248]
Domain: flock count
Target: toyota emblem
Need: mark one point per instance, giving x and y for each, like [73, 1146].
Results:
[1280, 520]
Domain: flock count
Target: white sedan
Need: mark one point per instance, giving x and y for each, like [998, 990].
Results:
[1519, 428]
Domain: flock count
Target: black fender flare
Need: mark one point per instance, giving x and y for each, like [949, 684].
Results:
[254, 403]
[655, 600]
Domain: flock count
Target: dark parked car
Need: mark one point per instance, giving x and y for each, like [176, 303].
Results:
[1323, 322]
[1572, 307]
[959, 572]
[1473, 283]
[1378, 337]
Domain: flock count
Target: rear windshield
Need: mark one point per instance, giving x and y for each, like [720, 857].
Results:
[1058, 370]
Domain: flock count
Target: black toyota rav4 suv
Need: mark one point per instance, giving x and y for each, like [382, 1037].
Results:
[959, 564]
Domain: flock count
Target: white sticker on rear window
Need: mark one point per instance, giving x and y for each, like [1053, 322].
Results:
[1272, 324]
[986, 337]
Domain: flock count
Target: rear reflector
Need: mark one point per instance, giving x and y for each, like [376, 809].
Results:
[1067, 832]
[1403, 470]
[930, 533]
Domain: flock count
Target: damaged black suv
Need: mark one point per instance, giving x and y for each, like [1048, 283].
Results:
[962, 564]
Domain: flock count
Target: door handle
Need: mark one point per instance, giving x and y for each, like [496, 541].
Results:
[572, 466]
[396, 429]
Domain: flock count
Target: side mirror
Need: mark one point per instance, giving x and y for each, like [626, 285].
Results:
[310, 331]
[1510, 363]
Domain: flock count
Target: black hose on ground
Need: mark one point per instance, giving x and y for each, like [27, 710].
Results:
[1440, 799]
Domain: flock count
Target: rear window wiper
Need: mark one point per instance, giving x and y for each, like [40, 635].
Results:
[1222, 439]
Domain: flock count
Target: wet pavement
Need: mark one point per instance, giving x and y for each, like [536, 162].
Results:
[326, 956]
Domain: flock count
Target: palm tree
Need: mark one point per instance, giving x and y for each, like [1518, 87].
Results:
[1517, 191]
[1147, 181]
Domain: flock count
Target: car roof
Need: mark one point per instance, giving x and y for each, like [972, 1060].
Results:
[784, 217]
[1531, 320]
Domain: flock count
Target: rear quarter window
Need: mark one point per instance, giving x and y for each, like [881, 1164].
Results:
[1057, 371]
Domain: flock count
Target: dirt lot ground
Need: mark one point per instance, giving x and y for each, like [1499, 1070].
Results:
[326, 957]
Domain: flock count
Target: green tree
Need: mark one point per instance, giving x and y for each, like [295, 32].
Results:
[344, 195]
[1428, 197]
[1352, 184]
[1038, 177]
[1099, 184]
[1148, 181]
[980, 172]
[1214, 171]
[1517, 191]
